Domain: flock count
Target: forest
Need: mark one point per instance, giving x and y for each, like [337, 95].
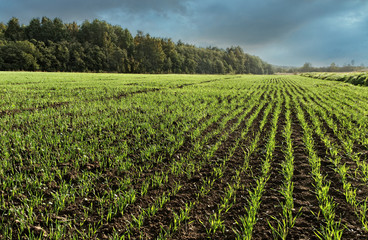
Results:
[53, 46]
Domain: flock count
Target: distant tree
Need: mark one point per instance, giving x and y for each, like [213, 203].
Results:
[118, 60]
[204, 66]
[2, 31]
[255, 65]
[47, 30]
[148, 53]
[20, 55]
[98, 32]
[72, 31]
[124, 40]
[269, 69]
[332, 67]
[172, 62]
[219, 67]
[307, 67]
[95, 58]
[237, 60]
[53, 56]
[76, 62]
[59, 31]
[97, 46]
[189, 56]
[190, 65]
[60, 51]
[14, 32]
[33, 30]
[50, 30]
[45, 58]
[231, 60]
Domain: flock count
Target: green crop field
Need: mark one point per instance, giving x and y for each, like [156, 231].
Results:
[356, 78]
[114, 156]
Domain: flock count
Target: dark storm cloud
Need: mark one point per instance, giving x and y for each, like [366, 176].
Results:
[288, 31]
[259, 22]
[79, 10]
[338, 39]
[279, 31]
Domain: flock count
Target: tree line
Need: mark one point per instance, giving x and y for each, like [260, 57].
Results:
[51, 45]
[307, 67]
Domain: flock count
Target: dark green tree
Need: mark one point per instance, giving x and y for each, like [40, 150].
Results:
[76, 62]
[124, 40]
[95, 58]
[20, 55]
[72, 31]
[149, 54]
[97, 46]
[2, 31]
[14, 32]
[33, 30]
[97, 33]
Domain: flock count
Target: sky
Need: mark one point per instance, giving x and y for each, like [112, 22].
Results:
[281, 32]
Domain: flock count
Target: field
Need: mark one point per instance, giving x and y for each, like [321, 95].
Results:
[356, 78]
[109, 156]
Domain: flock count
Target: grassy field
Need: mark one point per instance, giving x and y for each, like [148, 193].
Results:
[109, 156]
[356, 78]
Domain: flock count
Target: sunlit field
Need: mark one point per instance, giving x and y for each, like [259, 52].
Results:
[356, 78]
[114, 156]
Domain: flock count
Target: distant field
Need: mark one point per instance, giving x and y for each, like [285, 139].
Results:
[111, 156]
[356, 78]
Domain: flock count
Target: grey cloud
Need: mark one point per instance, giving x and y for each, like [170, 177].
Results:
[79, 10]
[287, 31]
[251, 22]
[338, 39]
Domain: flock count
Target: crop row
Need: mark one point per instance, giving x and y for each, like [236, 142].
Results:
[216, 157]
